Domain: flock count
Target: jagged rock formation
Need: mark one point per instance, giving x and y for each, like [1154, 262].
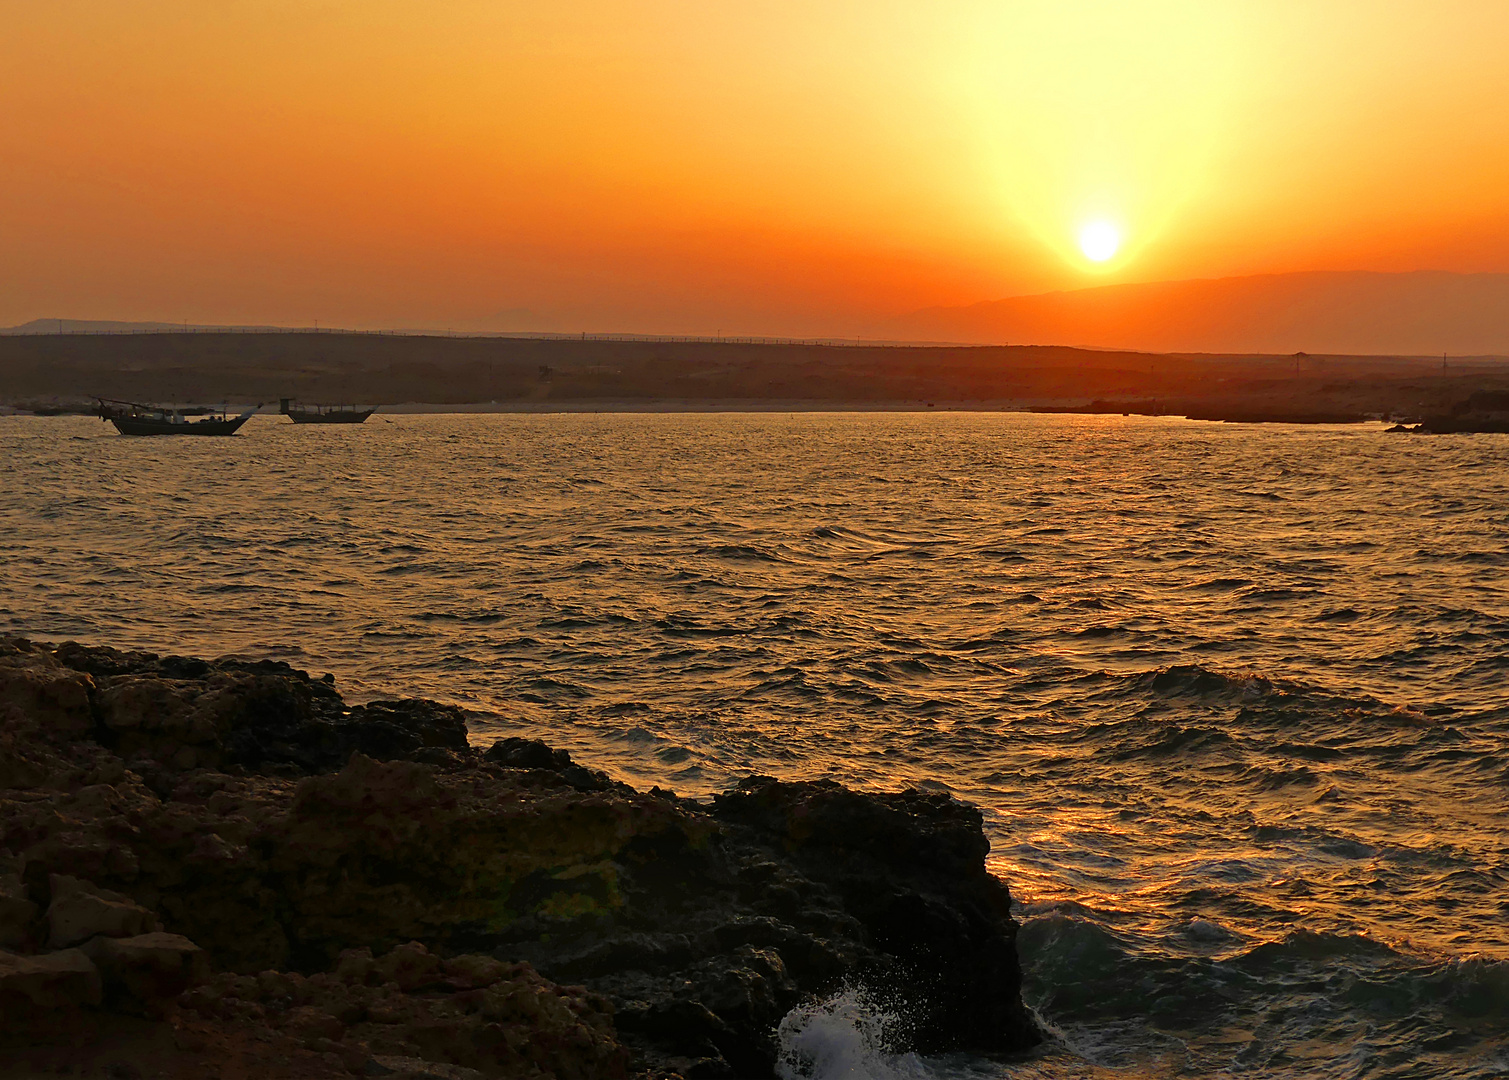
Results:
[165, 818]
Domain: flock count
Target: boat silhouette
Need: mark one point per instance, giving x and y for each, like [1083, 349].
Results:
[134, 418]
[323, 414]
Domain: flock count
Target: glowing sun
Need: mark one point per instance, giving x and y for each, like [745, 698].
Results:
[1099, 240]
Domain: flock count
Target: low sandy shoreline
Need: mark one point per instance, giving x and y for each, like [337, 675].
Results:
[737, 405]
[652, 405]
[675, 406]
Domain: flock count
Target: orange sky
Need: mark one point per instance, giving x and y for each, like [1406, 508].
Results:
[774, 167]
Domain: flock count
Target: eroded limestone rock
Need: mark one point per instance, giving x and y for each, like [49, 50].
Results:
[52, 980]
[18, 913]
[147, 972]
[80, 910]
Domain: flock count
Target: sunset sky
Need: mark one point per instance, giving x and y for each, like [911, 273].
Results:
[774, 167]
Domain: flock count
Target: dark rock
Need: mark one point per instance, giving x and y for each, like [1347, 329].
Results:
[1483, 412]
[146, 973]
[57, 979]
[18, 913]
[409, 1013]
[389, 730]
[527, 754]
[256, 817]
[802, 888]
[182, 713]
[518, 753]
[78, 911]
[1483, 401]
[42, 997]
[910, 867]
[1237, 414]
[1464, 423]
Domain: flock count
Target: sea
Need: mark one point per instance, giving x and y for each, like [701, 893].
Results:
[1231, 698]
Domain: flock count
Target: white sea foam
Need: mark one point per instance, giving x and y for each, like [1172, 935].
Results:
[843, 1038]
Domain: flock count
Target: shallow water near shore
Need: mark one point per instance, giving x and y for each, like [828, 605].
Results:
[1230, 697]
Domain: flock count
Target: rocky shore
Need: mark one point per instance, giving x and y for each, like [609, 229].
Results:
[1484, 412]
[221, 869]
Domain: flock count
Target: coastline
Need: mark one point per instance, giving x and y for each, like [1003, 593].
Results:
[221, 859]
[765, 406]
[565, 375]
[720, 405]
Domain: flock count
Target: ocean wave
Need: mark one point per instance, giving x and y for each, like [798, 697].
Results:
[1340, 615]
[543, 684]
[1474, 987]
[1152, 738]
[1299, 948]
[742, 552]
[1265, 702]
[1200, 681]
[1268, 778]
[846, 533]
[1221, 584]
[581, 621]
[1314, 838]
[1077, 968]
[1083, 976]
[1003, 555]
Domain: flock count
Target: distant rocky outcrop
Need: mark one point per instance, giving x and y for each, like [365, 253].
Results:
[1230, 412]
[1484, 412]
[229, 848]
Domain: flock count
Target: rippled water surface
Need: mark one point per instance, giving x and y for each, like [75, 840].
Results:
[1231, 697]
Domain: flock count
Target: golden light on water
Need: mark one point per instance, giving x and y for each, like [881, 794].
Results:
[1099, 240]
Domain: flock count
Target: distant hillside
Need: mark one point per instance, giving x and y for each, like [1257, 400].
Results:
[110, 326]
[86, 326]
[49, 371]
[1415, 314]
[386, 369]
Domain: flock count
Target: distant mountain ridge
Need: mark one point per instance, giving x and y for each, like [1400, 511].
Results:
[1421, 313]
[111, 326]
[1358, 313]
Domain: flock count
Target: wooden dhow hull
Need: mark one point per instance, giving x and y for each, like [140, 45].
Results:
[136, 425]
[334, 416]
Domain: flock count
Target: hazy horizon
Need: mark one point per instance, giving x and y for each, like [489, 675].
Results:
[1422, 313]
[803, 171]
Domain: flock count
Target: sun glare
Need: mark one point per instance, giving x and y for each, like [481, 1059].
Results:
[1099, 240]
